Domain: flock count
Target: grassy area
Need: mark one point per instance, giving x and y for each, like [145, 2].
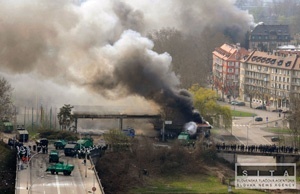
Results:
[237, 113]
[278, 130]
[188, 184]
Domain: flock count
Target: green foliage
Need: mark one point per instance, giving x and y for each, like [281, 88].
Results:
[205, 100]
[117, 140]
[52, 134]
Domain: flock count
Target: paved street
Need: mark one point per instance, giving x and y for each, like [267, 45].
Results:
[247, 131]
[35, 180]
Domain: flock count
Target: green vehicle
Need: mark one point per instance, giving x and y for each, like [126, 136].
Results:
[54, 156]
[66, 169]
[184, 139]
[60, 144]
[84, 143]
[6, 127]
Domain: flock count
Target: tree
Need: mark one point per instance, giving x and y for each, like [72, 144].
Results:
[117, 140]
[65, 117]
[7, 110]
[191, 54]
[205, 100]
[293, 118]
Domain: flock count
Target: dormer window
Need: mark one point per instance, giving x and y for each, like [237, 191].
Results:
[253, 58]
[258, 59]
[280, 62]
[273, 61]
[287, 64]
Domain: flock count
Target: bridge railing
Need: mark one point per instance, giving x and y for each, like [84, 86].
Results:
[97, 177]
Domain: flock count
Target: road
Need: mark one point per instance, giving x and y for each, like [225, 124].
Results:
[249, 132]
[34, 180]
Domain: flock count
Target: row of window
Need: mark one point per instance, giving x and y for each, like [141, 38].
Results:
[273, 70]
[266, 37]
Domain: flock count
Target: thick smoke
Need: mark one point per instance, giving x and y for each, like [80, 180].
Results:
[101, 45]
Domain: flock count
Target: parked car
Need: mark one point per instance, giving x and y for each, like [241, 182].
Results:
[240, 104]
[261, 107]
[233, 102]
[258, 119]
[275, 139]
[277, 110]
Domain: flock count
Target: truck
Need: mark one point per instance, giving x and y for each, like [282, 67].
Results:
[60, 144]
[184, 139]
[84, 143]
[22, 135]
[130, 132]
[6, 126]
[54, 156]
[70, 149]
[65, 168]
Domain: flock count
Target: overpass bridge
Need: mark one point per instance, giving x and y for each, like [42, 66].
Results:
[281, 157]
[118, 116]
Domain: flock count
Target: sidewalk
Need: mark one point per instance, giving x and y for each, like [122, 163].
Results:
[88, 177]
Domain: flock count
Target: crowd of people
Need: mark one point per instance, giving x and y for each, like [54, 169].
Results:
[272, 148]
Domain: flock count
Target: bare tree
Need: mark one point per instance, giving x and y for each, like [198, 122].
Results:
[191, 54]
[7, 110]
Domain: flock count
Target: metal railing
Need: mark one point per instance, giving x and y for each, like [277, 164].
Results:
[96, 174]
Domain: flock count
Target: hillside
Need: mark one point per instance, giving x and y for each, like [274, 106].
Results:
[124, 169]
[7, 168]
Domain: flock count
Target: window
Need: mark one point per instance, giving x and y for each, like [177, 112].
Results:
[283, 79]
[287, 79]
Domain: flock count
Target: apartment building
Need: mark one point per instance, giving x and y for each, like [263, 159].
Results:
[226, 69]
[270, 78]
[268, 37]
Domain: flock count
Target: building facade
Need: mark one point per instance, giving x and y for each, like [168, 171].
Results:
[270, 78]
[226, 69]
[267, 38]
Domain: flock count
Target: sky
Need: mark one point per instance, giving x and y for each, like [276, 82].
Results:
[96, 53]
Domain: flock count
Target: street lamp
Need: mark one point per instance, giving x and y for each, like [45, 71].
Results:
[247, 134]
[29, 168]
